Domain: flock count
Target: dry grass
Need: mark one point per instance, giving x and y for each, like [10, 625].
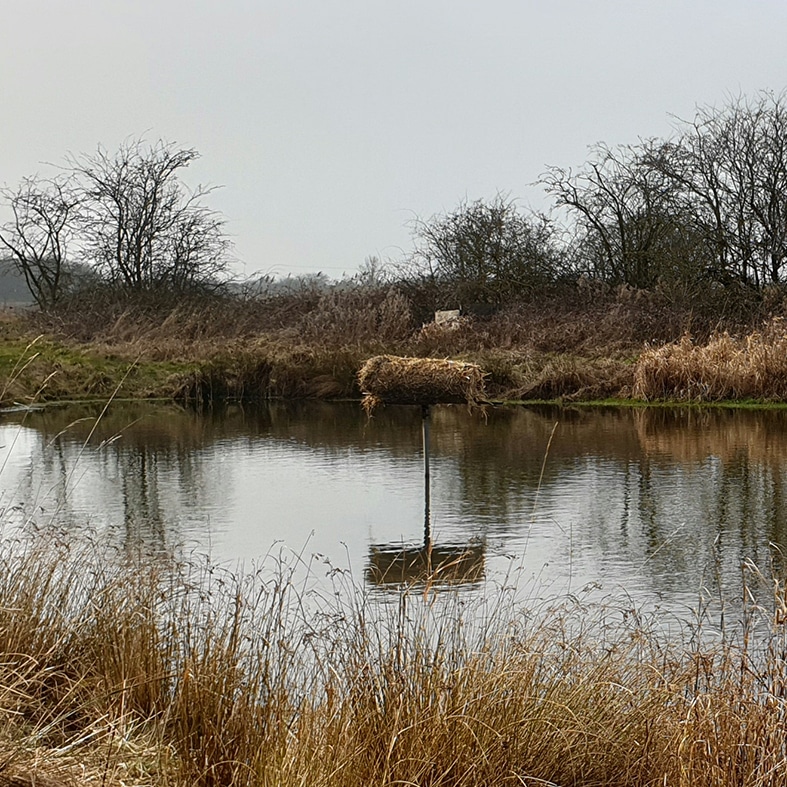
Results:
[263, 369]
[592, 327]
[754, 367]
[601, 324]
[515, 376]
[389, 379]
[310, 343]
[125, 669]
[336, 316]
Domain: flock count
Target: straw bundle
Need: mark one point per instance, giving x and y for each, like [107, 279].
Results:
[392, 380]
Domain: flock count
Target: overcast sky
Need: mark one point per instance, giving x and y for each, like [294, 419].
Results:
[331, 124]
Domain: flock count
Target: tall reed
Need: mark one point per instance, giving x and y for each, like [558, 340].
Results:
[118, 667]
[723, 368]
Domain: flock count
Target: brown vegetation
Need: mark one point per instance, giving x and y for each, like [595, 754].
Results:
[583, 344]
[724, 368]
[124, 669]
[389, 379]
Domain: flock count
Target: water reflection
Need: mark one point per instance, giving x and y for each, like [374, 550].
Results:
[664, 503]
[426, 564]
[395, 564]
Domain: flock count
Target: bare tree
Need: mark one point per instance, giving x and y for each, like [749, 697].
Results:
[141, 226]
[630, 226]
[127, 216]
[43, 225]
[483, 252]
[730, 167]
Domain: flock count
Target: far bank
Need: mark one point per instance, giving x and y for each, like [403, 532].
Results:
[209, 350]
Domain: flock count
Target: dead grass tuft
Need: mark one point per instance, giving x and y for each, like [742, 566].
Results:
[754, 367]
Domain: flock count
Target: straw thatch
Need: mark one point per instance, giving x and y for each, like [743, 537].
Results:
[389, 379]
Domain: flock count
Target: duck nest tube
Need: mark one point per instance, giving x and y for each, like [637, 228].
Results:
[389, 379]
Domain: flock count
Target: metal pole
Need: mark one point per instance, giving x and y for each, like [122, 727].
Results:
[425, 421]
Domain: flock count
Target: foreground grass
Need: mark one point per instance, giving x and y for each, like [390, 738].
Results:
[120, 668]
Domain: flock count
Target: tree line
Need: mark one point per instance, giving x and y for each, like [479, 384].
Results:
[704, 209]
[124, 221]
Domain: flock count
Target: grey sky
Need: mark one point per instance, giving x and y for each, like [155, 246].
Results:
[331, 124]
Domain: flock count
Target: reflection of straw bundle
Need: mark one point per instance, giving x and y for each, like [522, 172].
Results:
[393, 380]
[392, 564]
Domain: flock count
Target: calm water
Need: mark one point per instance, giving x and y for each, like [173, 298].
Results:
[661, 504]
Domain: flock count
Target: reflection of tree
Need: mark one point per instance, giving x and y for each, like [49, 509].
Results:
[648, 504]
[746, 507]
[775, 510]
[670, 485]
[142, 515]
[141, 465]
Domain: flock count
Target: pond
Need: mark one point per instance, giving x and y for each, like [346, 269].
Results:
[663, 505]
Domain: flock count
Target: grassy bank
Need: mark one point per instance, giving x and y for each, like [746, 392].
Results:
[572, 349]
[123, 669]
[140, 358]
